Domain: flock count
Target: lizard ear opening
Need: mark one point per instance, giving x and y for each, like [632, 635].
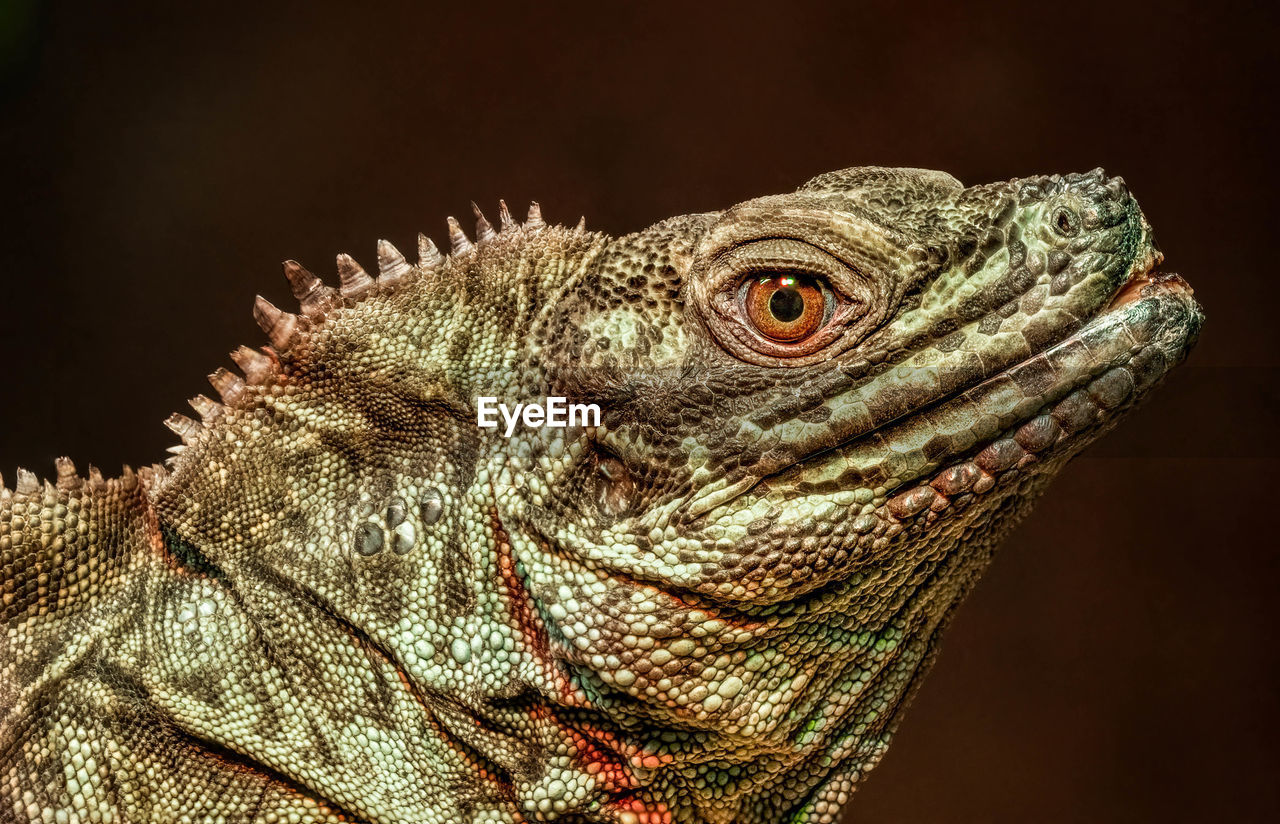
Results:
[615, 488]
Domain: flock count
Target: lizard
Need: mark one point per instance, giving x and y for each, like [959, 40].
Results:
[344, 600]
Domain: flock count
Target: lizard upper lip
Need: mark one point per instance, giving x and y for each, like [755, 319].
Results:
[1145, 272]
[1136, 287]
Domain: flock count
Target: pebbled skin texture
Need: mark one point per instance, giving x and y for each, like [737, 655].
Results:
[344, 601]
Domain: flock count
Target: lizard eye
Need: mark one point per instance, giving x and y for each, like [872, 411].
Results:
[784, 307]
[779, 301]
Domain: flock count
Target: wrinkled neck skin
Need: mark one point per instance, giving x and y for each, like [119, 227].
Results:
[710, 608]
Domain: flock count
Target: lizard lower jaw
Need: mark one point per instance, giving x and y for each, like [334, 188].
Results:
[1155, 316]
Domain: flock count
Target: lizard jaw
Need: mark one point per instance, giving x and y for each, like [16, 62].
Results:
[1088, 407]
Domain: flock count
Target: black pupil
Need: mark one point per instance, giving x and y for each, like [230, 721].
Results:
[787, 304]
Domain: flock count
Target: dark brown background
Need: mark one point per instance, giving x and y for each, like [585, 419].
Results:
[1118, 662]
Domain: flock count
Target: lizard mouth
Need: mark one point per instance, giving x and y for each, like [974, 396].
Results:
[1135, 287]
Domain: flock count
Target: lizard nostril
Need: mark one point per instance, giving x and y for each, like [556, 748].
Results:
[1116, 186]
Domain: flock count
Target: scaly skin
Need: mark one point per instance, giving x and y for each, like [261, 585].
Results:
[345, 601]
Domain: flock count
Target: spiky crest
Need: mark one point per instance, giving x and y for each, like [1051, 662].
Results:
[207, 408]
[317, 300]
[458, 240]
[68, 480]
[258, 368]
[278, 325]
[391, 264]
[534, 219]
[229, 385]
[429, 256]
[484, 230]
[354, 280]
[183, 427]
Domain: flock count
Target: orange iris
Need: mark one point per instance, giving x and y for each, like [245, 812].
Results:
[785, 308]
